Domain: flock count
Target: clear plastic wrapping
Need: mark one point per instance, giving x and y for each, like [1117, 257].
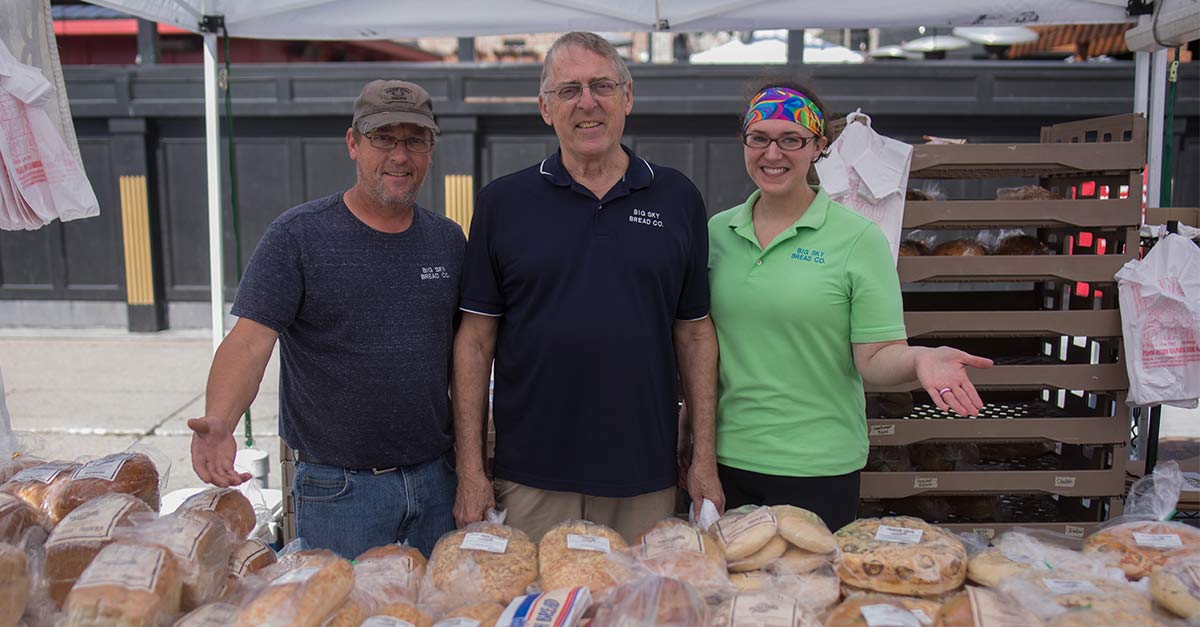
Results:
[33, 484]
[210, 615]
[233, 508]
[576, 553]
[763, 609]
[313, 584]
[980, 607]
[20, 524]
[881, 610]
[200, 543]
[484, 561]
[130, 472]
[79, 537]
[1176, 586]
[383, 576]
[900, 555]
[477, 615]
[675, 548]
[653, 602]
[127, 584]
[1049, 593]
[744, 531]
[15, 584]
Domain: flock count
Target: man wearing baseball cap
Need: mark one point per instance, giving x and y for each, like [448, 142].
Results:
[361, 289]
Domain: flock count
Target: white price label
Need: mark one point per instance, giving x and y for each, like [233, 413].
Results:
[1158, 540]
[1064, 482]
[883, 615]
[485, 542]
[387, 621]
[1075, 532]
[1070, 586]
[42, 474]
[588, 543]
[880, 430]
[105, 468]
[925, 483]
[130, 566]
[300, 575]
[901, 535]
[457, 622]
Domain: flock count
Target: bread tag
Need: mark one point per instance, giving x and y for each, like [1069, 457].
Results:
[211, 615]
[484, 542]
[386, 621]
[989, 611]
[672, 539]
[1158, 540]
[884, 615]
[730, 530]
[588, 543]
[246, 553]
[133, 567]
[762, 610]
[94, 522]
[457, 622]
[1070, 586]
[901, 535]
[105, 468]
[300, 575]
[44, 473]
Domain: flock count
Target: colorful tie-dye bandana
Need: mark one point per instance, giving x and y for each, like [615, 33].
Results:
[781, 103]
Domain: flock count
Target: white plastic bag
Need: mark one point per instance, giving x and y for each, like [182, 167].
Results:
[1160, 319]
[868, 173]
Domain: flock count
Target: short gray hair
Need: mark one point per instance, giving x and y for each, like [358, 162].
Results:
[590, 42]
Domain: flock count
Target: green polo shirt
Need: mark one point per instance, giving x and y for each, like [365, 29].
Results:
[789, 399]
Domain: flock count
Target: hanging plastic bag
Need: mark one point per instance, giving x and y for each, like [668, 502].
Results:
[45, 180]
[868, 173]
[1160, 319]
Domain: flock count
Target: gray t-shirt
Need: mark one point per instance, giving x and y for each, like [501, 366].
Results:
[366, 321]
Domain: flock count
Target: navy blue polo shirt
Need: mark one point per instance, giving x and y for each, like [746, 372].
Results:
[587, 292]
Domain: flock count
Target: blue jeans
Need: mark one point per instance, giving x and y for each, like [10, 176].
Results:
[349, 511]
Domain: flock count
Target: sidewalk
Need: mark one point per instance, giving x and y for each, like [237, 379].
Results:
[90, 393]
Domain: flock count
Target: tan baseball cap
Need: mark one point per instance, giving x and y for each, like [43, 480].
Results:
[393, 102]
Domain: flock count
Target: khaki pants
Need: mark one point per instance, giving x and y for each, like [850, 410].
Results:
[535, 511]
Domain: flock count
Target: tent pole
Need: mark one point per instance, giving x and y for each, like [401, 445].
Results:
[1158, 92]
[1141, 83]
[212, 145]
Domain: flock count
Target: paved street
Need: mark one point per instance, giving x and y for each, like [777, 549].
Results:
[89, 393]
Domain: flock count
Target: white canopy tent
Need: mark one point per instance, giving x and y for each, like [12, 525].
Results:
[386, 19]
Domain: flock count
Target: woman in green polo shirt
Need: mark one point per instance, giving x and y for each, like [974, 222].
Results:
[806, 302]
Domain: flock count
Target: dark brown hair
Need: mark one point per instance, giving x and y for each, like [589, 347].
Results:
[790, 82]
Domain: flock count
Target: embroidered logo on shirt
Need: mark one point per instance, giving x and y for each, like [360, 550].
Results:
[809, 254]
[649, 218]
[434, 272]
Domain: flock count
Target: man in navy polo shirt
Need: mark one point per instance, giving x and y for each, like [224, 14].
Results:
[586, 279]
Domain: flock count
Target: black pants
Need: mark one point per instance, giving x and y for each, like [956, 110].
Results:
[834, 499]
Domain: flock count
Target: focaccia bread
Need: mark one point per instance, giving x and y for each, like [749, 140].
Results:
[128, 473]
[980, 607]
[804, 529]
[249, 557]
[33, 484]
[200, 543]
[303, 597]
[772, 550]
[1047, 592]
[15, 586]
[853, 612]
[20, 523]
[1176, 585]
[477, 615]
[1104, 618]
[496, 561]
[576, 553]
[82, 534]
[900, 555]
[652, 602]
[232, 506]
[210, 615]
[763, 609]
[745, 530]
[675, 548]
[990, 566]
[127, 585]
[1140, 547]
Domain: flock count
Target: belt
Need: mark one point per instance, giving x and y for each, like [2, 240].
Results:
[306, 458]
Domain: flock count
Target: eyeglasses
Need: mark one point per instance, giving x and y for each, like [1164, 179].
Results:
[411, 144]
[601, 88]
[788, 143]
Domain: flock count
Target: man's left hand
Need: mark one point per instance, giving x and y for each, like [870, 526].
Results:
[703, 483]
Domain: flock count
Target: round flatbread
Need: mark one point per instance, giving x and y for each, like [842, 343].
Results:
[1176, 585]
[990, 566]
[577, 553]
[745, 530]
[900, 555]
[804, 529]
[772, 550]
[853, 612]
[488, 561]
[1140, 547]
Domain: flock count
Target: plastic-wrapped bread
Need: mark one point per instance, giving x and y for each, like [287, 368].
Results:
[557, 608]
[11, 467]
[1176, 586]
[960, 248]
[990, 566]
[127, 585]
[20, 523]
[231, 505]
[33, 484]
[400, 556]
[804, 529]
[745, 531]
[249, 557]
[675, 548]
[1049, 593]
[383, 576]
[80, 536]
[652, 602]
[980, 607]
[1021, 245]
[128, 473]
[209, 615]
[576, 553]
[1026, 192]
[302, 597]
[763, 609]
[796, 561]
[900, 555]
[771, 551]
[200, 543]
[913, 248]
[1139, 547]
[477, 615]
[1104, 618]
[406, 612]
[485, 561]
[15, 586]
[880, 610]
